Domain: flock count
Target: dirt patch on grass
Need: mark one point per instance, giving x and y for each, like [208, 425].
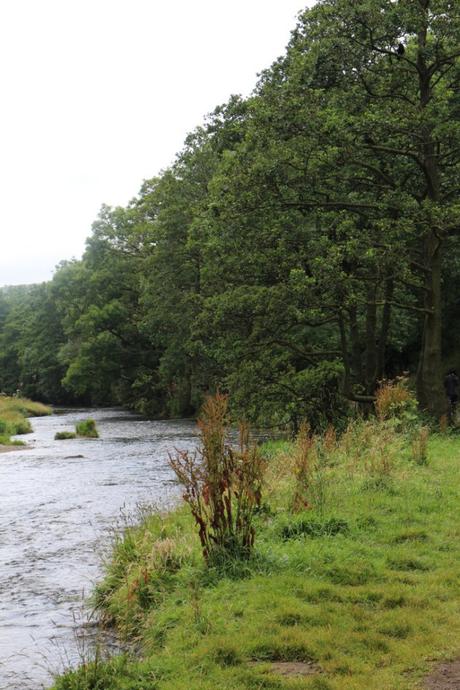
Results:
[291, 668]
[294, 668]
[445, 677]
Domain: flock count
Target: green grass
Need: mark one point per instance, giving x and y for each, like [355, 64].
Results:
[13, 417]
[6, 441]
[87, 429]
[64, 435]
[366, 584]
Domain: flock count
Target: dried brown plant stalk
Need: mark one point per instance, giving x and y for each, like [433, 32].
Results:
[303, 460]
[420, 446]
[392, 397]
[222, 485]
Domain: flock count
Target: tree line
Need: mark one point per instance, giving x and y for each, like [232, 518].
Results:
[303, 245]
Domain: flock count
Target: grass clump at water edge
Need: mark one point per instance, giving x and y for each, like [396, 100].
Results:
[13, 417]
[87, 429]
[64, 435]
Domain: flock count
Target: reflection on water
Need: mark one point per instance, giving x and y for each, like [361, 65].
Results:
[59, 501]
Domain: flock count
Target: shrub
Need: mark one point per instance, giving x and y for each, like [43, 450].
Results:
[319, 398]
[87, 429]
[62, 435]
[394, 401]
[222, 484]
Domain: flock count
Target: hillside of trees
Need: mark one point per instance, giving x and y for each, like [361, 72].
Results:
[303, 245]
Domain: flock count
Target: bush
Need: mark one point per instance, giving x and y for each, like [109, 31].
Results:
[394, 401]
[87, 429]
[222, 485]
[63, 435]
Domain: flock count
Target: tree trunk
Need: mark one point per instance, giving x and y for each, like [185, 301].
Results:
[371, 338]
[355, 341]
[430, 378]
[384, 328]
[430, 374]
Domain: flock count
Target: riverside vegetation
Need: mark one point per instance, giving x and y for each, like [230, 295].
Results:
[302, 246]
[348, 581]
[84, 429]
[13, 417]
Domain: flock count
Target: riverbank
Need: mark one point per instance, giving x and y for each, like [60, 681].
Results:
[359, 591]
[13, 446]
[14, 413]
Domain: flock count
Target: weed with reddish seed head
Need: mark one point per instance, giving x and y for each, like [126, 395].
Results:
[221, 485]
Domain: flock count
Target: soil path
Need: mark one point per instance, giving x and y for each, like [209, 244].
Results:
[445, 677]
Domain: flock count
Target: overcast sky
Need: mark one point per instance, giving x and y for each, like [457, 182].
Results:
[97, 95]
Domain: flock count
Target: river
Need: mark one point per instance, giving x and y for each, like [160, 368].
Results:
[59, 503]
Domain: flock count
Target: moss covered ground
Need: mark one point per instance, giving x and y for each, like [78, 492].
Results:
[362, 587]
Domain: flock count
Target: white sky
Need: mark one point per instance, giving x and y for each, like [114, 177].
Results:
[97, 95]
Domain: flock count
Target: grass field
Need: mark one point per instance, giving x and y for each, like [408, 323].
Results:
[13, 417]
[361, 590]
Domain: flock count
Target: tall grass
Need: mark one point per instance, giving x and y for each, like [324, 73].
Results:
[14, 413]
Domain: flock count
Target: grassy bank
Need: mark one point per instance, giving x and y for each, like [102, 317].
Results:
[13, 417]
[360, 589]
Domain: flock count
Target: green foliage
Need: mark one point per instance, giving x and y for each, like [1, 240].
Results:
[31, 334]
[5, 440]
[64, 435]
[87, 429]
[13, 416]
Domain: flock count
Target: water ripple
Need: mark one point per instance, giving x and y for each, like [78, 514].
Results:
[59, 501]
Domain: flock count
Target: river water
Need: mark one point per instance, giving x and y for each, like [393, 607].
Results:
[59, 502]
